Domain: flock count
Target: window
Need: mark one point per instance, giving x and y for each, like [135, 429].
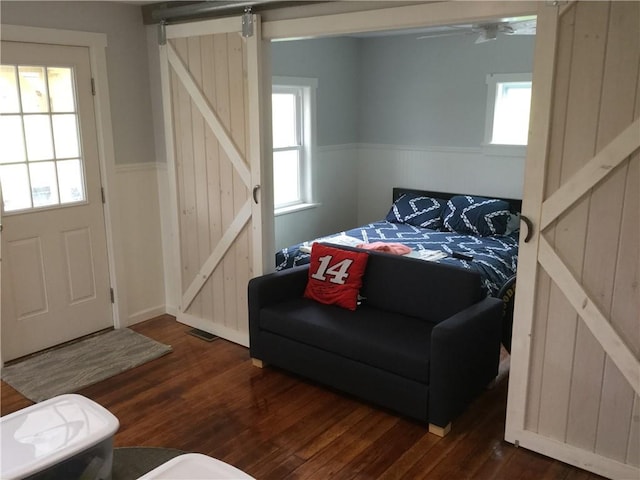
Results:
[508, 107]
[293, 102]
[40, 158]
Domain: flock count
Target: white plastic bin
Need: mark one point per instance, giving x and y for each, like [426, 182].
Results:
[195, 465]
[66, 437]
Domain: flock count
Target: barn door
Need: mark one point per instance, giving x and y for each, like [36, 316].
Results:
[575, 378]
[211, 86]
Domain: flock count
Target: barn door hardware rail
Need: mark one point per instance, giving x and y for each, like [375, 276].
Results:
[169, 12]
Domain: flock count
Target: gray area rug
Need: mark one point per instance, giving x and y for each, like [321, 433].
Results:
[130, 463]
[72, 367]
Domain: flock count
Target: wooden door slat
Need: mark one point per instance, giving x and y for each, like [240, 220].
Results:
[599, 167]
[210, 116]
[217, 255]
[589, 312]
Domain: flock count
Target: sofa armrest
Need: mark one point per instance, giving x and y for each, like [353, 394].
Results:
[270, 289]
[465, 353]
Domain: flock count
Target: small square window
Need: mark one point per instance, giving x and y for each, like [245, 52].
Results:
[508, 109]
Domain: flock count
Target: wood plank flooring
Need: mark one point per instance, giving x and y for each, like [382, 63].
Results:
[208, 398]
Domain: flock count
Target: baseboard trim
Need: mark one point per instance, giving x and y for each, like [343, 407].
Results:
[146, 314]
[136, 167]
[241, 338]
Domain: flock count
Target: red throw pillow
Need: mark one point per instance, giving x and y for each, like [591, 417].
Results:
[335, 276]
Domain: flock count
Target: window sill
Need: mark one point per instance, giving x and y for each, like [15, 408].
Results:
[504, 150]
[294, 208]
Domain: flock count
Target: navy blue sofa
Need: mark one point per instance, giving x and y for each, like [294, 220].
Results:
[423, 343]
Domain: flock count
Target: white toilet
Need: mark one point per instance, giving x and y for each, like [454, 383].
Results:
[191, 466]
[68, 436]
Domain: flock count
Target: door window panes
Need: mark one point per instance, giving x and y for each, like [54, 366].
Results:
[15, 187]
[33, 89]
[44, 187]
[65, 136]
[41, 162]
[11, 139]
[37, 131]
[9, 100]
[70, 181]
[61, 90]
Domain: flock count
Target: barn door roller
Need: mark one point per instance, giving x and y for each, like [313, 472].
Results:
[247, 23]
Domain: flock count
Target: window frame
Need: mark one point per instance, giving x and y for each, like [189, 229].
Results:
[492, 81]
[55, 159]
[305, 89]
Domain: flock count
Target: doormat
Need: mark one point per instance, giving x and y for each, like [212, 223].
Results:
[77, 365]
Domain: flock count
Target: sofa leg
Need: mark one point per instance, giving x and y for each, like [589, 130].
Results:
[258, 363]
[439, 431]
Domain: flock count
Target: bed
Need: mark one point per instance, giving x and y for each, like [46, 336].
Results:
[494, 256]
[471, 232]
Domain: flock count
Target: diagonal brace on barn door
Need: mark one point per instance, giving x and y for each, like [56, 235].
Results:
[595, 320]
[209, 114]
[618, 150]
[217, 255]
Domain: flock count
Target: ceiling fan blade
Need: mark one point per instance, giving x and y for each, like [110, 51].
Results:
[442, 34]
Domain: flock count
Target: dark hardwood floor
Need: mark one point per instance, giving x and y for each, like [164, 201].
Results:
[209, 398]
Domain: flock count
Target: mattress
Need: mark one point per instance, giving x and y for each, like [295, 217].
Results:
[494, 257]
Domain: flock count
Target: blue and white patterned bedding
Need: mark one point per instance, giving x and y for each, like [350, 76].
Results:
[494, 257]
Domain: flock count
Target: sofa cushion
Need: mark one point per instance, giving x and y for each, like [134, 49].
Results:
[418, 288]
[335, 276]
[396, 343]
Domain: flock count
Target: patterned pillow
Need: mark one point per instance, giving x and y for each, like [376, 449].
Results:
[416, 210]
[335, 276]
[476, 215]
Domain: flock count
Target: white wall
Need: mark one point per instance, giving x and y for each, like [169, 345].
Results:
[140, 223]
[443, 169]
[132, 123]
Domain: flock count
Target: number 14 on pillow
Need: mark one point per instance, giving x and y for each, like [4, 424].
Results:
[337, 273]
[335, 276]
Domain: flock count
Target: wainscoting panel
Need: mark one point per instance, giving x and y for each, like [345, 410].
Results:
[142, 245]
[449, 169]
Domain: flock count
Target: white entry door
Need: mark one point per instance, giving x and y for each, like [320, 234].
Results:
[211, 88]
[55, 279]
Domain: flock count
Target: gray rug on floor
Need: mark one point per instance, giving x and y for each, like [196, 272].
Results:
[130, 463]
[77, 365]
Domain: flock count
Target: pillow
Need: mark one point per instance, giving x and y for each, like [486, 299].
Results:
[513, 224]
[335, 276]
[416, 210]
[476, 215]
